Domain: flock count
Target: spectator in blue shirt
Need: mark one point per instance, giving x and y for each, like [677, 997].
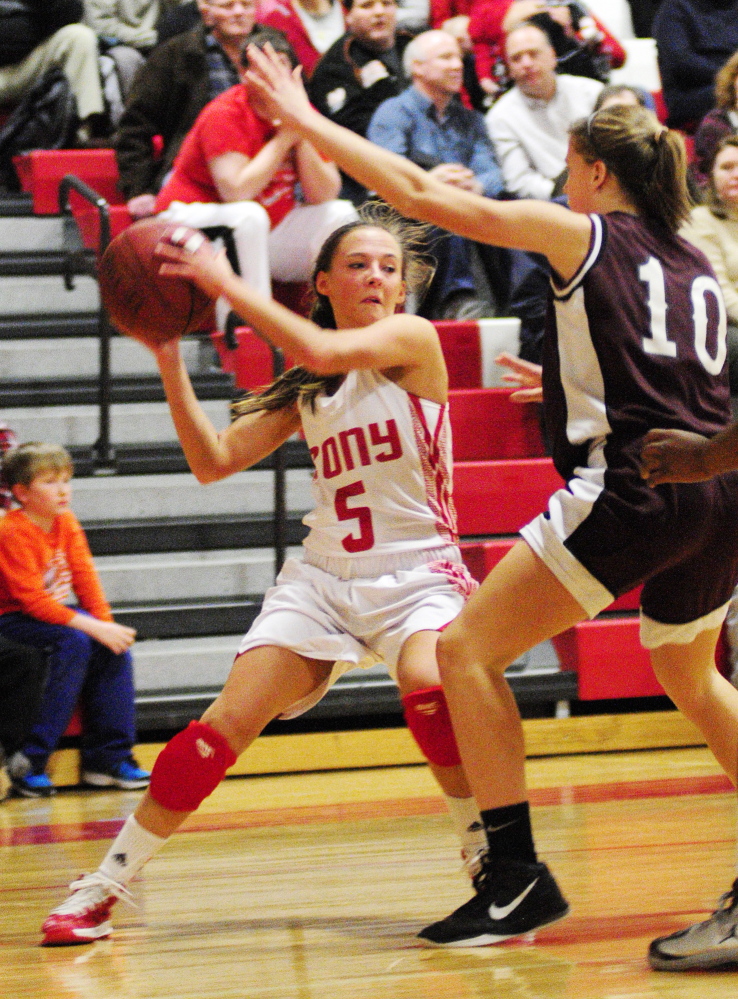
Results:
[429, 124]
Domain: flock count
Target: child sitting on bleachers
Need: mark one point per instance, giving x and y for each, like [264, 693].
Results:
[45, 560]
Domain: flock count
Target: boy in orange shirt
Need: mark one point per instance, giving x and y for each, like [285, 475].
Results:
[45, 560]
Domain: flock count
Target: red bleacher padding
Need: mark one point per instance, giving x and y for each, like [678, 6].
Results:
[499, 497]
[486, 425]
[251, 363]
[608, 659]
[41, 171]
[463, 352]
[481, 557]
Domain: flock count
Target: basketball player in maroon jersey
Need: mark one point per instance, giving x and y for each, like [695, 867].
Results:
[636, 339]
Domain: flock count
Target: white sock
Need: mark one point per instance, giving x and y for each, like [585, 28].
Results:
[468, 824]
[131, 849]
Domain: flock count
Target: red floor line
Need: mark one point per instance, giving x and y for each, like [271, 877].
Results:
[363, 810]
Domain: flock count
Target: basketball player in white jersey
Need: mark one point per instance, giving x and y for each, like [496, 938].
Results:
[381, 572]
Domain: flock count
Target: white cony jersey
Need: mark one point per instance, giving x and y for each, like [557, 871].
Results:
[382, 480]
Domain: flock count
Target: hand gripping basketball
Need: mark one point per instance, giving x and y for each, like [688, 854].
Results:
[143, 302]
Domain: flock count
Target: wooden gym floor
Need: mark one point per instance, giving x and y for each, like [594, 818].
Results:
[313, 886]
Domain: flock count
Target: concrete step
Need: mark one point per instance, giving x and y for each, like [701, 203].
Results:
[76, 357]
[46, 294]
[187, 575]
[30, 235]
[131, 423]
[142, 496]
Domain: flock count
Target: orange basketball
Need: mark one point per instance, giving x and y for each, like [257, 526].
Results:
[139, 300]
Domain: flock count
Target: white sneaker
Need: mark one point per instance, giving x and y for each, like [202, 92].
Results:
[709, 944]
[84, 916]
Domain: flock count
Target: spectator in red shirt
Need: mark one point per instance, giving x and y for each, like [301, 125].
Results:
[237, 169]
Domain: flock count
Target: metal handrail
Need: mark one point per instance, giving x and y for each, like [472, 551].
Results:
[103, 453]
[279, 521]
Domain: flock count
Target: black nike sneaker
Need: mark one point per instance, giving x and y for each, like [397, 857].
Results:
[512, 898]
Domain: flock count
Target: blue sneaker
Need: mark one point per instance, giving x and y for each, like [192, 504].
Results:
[126, 775]
[33, 786]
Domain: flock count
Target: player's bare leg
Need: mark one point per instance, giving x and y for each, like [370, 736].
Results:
[262, 684]
[690, 677]
[418, 680]
[520, 604]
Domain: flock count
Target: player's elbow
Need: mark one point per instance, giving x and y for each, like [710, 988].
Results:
[321, 361]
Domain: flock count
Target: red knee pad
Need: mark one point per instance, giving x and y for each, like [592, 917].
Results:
[427, 717]
[190, 767]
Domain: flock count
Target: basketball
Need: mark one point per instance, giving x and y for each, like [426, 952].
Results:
[141, 302]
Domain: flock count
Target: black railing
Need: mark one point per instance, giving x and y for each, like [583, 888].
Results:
[76, 260]
[79, 260]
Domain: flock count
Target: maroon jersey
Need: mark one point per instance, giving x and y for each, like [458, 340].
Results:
[637, 339]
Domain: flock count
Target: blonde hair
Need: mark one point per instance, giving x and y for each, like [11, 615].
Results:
[648, 160]
[22, 464]
[725, 96]
[299, 384]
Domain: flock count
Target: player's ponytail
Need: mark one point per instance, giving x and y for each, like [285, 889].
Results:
[300, 385]
[648, 160]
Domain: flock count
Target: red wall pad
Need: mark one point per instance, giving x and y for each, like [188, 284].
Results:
[499, 497]
[486, 425]
[608, 658]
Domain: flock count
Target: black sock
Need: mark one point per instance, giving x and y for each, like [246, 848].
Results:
[509, 832]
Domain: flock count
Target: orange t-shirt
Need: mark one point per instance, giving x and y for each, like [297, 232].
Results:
[40, 571]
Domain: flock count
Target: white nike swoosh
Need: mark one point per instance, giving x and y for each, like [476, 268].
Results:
[502, 912]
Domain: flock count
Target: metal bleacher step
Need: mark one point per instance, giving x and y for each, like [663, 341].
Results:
[182, 575]
[189, 618]
[156, 459]
[85, 391]
[31, 327]
[203, 533]
[163, 702]
[16, 205]
[142, 497]
[34, 263]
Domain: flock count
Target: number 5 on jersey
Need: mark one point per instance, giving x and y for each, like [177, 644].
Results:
[363, 514]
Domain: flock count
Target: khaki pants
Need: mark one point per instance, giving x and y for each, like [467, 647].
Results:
[74, 49]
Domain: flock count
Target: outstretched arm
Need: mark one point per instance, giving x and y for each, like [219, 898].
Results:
[397, 341]
[681, 456]
[561, 235]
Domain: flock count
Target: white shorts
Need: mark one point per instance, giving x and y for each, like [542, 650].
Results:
[355, 622]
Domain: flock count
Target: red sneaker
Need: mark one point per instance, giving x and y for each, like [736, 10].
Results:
[84, 916]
